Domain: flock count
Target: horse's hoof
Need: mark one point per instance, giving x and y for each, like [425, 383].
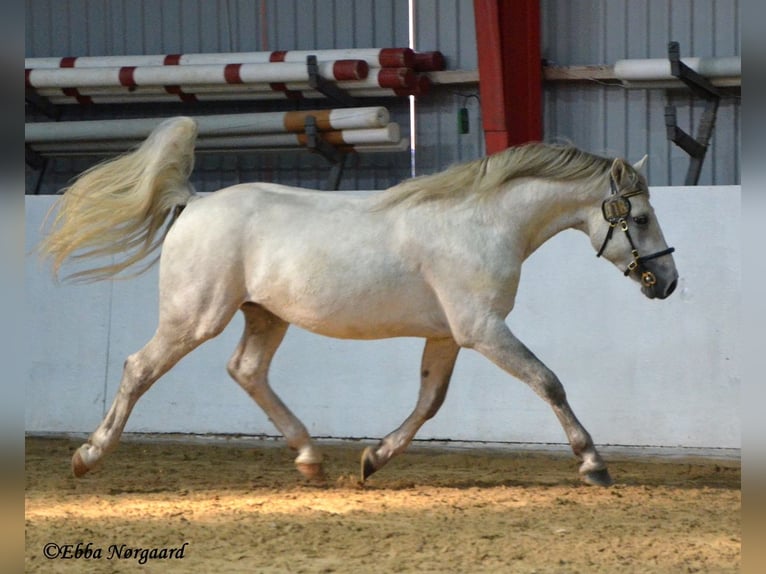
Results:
[312, 471]
[368, 463]
[598, 478]
[79, 468]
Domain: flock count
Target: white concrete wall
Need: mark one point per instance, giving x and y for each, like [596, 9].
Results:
[637, 372]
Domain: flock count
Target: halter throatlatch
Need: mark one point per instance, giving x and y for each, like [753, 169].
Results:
[616, 209]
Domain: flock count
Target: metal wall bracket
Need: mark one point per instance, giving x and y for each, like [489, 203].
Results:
[40, 104]
[326, 87]
[701, 86]
[335, 156]
[36, 163]
[33, 159]
[314, 142]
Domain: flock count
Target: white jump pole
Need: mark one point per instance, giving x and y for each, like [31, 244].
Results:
[113, 147]
[245, 144]
[658, 69]
[388, 135]
[213, 125]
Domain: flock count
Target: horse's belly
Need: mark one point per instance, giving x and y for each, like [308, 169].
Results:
[350, 315]
[371, 328]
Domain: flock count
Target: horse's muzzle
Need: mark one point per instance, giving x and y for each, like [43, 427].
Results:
[660, 290]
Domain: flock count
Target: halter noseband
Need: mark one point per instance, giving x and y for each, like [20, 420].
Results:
[616, 209]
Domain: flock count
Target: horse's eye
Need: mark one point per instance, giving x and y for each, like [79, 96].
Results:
[641, 219]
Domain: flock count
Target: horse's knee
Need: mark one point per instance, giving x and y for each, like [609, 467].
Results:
[551, 389]
[436, 399]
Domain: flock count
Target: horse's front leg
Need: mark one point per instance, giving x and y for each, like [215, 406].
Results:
[436, 368]
[494, 340]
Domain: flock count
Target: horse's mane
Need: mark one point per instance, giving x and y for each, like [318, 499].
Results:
[484, 177]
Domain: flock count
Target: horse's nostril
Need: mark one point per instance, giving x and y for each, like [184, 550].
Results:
[671, 288]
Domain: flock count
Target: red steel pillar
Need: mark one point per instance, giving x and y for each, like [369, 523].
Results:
[510, 71]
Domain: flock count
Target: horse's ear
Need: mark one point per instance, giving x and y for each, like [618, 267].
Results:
[639, 165]
[619, 171]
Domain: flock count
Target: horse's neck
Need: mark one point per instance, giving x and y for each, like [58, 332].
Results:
[538, 210]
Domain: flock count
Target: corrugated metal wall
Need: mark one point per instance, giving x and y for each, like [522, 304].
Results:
[608, 120]
[616, 121]
[448, 26]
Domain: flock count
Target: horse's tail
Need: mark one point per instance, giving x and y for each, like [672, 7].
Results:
[119, 207]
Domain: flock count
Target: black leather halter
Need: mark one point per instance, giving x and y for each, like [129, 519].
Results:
[616, 209]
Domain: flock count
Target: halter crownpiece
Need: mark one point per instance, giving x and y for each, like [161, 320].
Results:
[616, 209]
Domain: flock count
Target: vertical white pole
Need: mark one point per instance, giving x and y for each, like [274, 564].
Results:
[413, 135]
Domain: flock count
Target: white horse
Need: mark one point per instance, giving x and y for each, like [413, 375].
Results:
[437, 257]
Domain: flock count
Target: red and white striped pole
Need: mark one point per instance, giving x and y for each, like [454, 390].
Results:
[238, 76]
[374, 57]
[135, 76]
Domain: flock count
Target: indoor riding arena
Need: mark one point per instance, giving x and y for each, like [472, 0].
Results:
[337, 364]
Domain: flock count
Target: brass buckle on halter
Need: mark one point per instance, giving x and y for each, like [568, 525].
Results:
[648, 279]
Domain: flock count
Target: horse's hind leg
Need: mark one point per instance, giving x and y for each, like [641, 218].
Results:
[249, 366]
[169, 344]
[436, 367]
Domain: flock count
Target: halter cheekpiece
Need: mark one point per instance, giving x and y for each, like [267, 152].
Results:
[616, 209]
